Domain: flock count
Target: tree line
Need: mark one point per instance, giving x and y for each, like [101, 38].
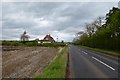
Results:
[103, 33]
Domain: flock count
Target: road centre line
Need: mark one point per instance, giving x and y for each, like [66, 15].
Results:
[84, 52]
[103, 63]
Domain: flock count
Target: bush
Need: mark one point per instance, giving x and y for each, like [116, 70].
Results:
[11, 43]
[53, 44]
[32, 43]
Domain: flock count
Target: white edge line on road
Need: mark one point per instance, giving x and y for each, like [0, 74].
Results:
[103, 63]
[84, 52]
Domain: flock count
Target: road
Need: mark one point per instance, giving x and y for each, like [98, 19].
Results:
[85, 63]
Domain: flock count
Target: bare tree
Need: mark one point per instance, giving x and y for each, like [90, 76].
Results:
[78, 34]
[98, 23]
[90, 29]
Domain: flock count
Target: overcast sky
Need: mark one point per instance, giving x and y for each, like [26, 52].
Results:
[58, 19]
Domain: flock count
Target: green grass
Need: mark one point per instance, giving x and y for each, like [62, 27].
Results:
[0, 42]
[109, 52]
[57, 68]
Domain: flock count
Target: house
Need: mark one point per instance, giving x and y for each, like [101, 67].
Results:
[47, 39]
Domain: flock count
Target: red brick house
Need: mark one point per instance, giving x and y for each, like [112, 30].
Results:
[47, 39]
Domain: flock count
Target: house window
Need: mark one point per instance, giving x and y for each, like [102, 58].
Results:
[46, 38]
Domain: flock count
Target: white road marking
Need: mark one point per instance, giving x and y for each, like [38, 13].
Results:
[84, 52]
[103, 63]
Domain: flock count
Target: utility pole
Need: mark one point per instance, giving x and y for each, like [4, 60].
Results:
[57, 38]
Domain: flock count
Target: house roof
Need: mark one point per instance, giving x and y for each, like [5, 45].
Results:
[48, 38]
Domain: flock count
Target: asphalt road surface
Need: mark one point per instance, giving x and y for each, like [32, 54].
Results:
[85, 63]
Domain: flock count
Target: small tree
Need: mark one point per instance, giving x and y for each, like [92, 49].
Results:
[24, 37]
[62, 41]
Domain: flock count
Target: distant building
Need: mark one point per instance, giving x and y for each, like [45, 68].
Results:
[47, 39]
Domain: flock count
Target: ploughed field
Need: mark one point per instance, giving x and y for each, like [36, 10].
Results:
[25, 62]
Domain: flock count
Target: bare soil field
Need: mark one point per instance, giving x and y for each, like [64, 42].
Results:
[25, 62]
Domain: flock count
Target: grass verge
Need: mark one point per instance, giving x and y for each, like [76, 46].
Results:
[113, 53]
[57, 68]
[0, 42]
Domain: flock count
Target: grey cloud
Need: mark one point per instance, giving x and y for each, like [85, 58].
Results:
[46, 17]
